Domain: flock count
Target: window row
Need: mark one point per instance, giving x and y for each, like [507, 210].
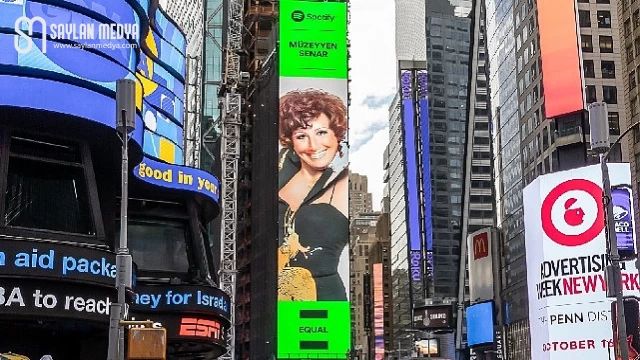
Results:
[605, 43]
[609, 94]
[607, 69]
[630, 49]
[627, 23]
[603, 18]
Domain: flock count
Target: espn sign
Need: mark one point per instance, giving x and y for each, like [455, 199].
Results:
[480, 245]
[201, 328]
[480, 265]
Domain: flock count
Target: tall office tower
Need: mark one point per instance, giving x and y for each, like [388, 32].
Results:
[426, 157]
[410, 45]
[255, 294]
[630, 18]
[359, 195]
[189, 15]
[539, 131]
[394, 184]
[478, 200]
[363, 235]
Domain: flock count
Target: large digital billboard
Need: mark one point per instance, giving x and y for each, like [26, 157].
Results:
[569, 312]
[480, 324]
[314, 318]
[407, 83]
[66, 57]
[561, 64]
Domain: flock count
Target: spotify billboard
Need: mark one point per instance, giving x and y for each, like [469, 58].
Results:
[314, 319]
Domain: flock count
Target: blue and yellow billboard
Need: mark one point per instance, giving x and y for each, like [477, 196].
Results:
[66, 56]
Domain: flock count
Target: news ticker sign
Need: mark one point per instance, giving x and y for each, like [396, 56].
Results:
[192, 299]
[46, 299]
[57, 262]
[433, 317]
[569, 312]
[480, 261]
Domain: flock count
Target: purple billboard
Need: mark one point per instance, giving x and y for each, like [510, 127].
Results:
[411, 175]
[623, 220]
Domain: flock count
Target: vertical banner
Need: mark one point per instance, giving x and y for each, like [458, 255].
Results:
[425, 132]
[569, 312]
[412, 188]
[480, 265]
[314, 317]
[378, 312]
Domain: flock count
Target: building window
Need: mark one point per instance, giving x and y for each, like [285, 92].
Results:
[159, 245]
[610, 94]
[637, 44]
[585, 18]
[627, 27]
[589, 71]
[608, 69]
[634, 108]
[606, 44]
[604, 19]
[591, 94]
[636, 19]
[632, 80]
[46, 186]
[625, 5]
[614, 123]
[587, 43]
[630, 53]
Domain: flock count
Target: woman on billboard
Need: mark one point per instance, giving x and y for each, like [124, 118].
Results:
[313, 196]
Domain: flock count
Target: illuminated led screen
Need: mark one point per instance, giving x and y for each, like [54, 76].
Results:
[62, 58]
[314, 318]
[378, 312]
[411, 158]
[560, 58]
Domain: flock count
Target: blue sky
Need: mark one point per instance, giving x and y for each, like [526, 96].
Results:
[372, 34]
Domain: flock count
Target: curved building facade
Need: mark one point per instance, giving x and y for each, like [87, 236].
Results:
[60, 182]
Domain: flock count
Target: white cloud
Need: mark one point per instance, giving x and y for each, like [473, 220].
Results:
[373, 74]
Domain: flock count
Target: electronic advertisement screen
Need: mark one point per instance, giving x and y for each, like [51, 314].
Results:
[408, 86]
[66, 57]
[314, 319]
[566, 255]
[378, 312]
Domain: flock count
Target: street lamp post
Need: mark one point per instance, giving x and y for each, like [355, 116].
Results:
[125, 125]
[599, 130]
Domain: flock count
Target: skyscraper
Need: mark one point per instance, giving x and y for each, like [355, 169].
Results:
[538, 113]
[359, 195]
[362, 238]
[426, 156]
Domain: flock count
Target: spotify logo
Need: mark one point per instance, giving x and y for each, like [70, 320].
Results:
[297, 16]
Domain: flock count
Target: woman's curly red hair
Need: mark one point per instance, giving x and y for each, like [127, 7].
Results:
[298, 107]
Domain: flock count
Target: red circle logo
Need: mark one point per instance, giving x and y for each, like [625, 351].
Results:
[573, 213]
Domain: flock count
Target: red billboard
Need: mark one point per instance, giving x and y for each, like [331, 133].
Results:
[561, 76]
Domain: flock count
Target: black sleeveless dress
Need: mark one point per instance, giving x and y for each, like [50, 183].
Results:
[325, 230]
